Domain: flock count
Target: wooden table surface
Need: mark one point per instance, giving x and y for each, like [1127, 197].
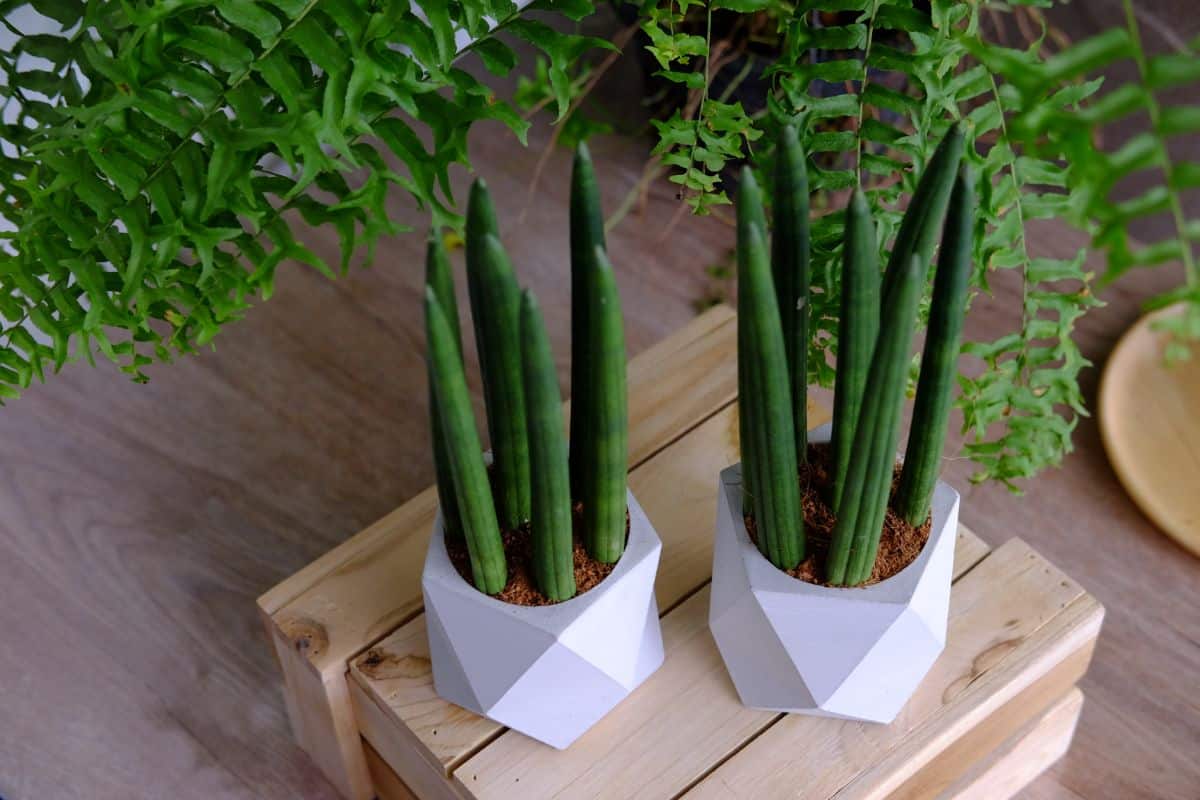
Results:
[139, 523]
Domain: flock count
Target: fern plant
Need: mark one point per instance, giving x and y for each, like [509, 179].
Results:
[155, 158]
[1029, 117]
[524, 412]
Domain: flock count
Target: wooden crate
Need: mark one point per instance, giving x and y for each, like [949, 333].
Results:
[998, 707]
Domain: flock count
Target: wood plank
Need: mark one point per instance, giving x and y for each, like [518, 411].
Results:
[400, 750]
[318, 708]
[1024, 756]
[1013, 619]
[1002, 774]
[388, 785]
[664, 737]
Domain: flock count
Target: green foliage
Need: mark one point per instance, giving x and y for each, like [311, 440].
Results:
[872, 378]
[1030, 120]
[698, 148]
[864, 500]
[789, 267]
[160, 155]
[496, 309]
[553, 545]
[475, 507]
[769, 477]
[536, 90]
[604, 436]
[522, 398]
[587, 234]
[599, 405]
[441, 282]
[939, 364]
[858, 328]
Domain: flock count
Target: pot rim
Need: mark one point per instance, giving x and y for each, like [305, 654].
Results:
[895, 588]
[642, 543]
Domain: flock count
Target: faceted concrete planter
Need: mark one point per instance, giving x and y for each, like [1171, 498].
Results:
[550, 672]
[856, 653]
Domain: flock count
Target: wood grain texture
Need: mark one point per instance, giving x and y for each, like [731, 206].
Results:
[663, 738]
[139, 523]
[1150, 425]
[1027, 754]
[387, 785]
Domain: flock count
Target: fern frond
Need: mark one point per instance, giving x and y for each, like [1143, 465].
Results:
[162, 154]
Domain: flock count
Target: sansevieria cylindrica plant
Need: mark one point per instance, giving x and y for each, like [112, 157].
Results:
[535, 477]
[878, 323]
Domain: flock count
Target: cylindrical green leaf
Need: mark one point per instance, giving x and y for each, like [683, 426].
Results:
[768, 446]
[750, 213]
[869, 477]
[931, 411]
[441, 281]
[464, 454]
[858, 327]
[587, 234]
[790, 267]
[918, 234]
[607, 442]
[495, 307]
[553, 557]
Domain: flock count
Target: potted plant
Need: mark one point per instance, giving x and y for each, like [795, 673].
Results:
[538, 584]
[832, 563]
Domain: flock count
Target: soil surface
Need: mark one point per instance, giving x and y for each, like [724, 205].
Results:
[521, 589]
[899, 545]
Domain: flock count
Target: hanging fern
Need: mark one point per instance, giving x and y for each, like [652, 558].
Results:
[875, 83]
[155, 156]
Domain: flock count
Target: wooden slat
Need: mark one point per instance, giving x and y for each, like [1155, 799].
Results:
[687, 718]
[400, 749]
[388, 785]
[1026, 755]
[1014, 620]
[362, 590]
[999, 776]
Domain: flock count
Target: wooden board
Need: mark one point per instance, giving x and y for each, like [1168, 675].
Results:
[999, 776]
[1021, 635]
[1150, 424]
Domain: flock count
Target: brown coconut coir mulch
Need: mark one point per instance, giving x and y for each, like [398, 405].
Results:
[518, 550]
[899, 545]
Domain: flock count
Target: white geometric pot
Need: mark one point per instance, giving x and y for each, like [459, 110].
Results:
[854, 653]
[550, 672]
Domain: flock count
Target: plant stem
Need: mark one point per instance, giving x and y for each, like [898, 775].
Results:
[495, 307]
[768, 446]
[790, 266]
[439, 279]
[931, 412]
[478, 513]
[587, 234]
[607, 440]
[919, 229]
[553, 545]
[858, 328]
[864, 499]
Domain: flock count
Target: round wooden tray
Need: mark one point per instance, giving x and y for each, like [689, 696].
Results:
[1150, 424]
